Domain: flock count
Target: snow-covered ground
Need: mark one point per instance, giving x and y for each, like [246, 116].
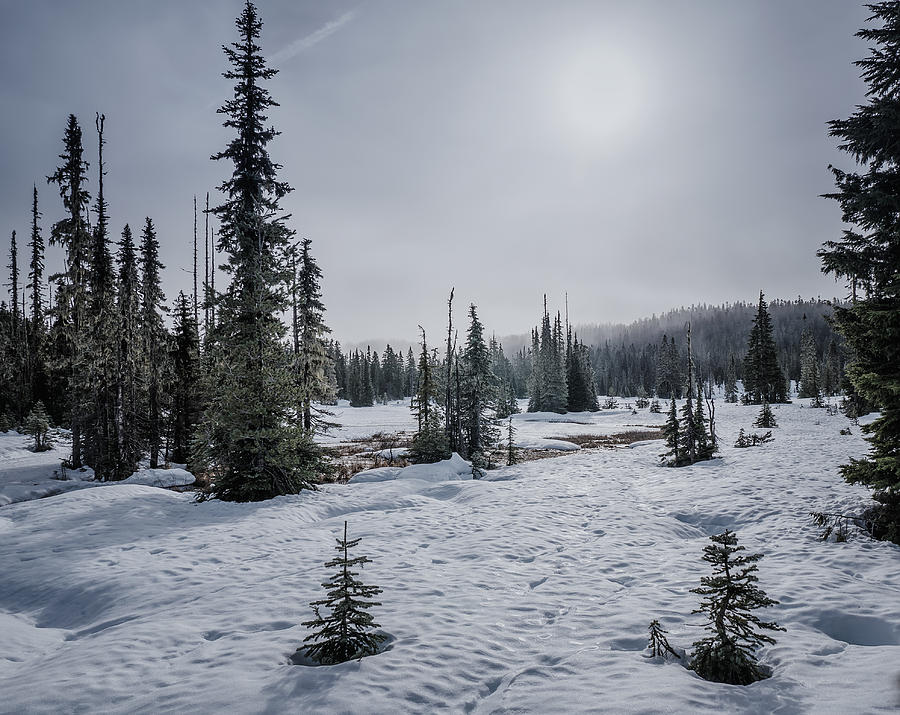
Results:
[530, 591]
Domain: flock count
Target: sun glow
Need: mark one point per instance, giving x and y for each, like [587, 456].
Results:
[598, 96]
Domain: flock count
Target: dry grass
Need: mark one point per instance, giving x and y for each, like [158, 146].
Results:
[610, 441]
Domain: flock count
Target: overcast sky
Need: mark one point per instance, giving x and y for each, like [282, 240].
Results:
[639, 155]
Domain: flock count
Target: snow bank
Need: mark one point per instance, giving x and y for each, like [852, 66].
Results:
[544, 443]
[449, 470]
[160, 478]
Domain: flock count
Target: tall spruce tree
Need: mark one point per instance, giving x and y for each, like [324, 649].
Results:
[38, 370]
[313, 364]
[70, 326]
[185, 402]
[252, 439]
[101, 433]
[869, 256]
[478, 394]
[130, 400]
[429, 444]
[763, 378]
[154, 348]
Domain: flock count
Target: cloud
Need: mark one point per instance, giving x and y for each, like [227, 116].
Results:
[312, 39]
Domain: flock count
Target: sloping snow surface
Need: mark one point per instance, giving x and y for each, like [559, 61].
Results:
[529, 591]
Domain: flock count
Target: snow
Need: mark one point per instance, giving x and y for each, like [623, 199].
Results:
[543, 443]
[448, 470]
[160, 478]
[529, 591]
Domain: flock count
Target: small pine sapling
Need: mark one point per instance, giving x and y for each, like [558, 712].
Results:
[766, 418]
[743, 440]
[659, 644]
[654, 406]
[37, 426]
[729, 597]
[346, 632]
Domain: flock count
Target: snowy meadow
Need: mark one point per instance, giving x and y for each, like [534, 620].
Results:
[528, 590]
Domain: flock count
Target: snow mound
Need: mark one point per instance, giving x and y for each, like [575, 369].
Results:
[389, 454]
[543, 443]
[160, 478]
[581, 418]
[449, 470]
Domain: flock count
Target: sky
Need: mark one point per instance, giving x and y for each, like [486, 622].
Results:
[636, 156]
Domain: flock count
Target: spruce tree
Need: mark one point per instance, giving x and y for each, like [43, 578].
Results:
[312, 360]
[130, 398]
[154, 348]
[731, 394]
[252, 438]
[869, 256]
[658, 644]
[672, 435]
[70, 327]
[809, 368]
[38, 369]
[763, 378]
[512, 452]
[478, 394]
[102, 449]
[185, 403]
[766, 418]
[429, 444]
[347, 630]
[729, 597]
[37, 426]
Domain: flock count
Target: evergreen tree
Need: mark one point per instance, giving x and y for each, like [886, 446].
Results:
[869, 256]
[185, 380]
[763, 379]
[313, 364]
[429, 444]
[672, 435]
[346, 632]
[252, 439]
[130, 398]
[153, 340]
[729, 597]
[36, 267]
[809, 368]
[731, 394]
[766, 418]
[37, 426]
[659, 645]
[478, 394]
[14, 278]
[512, 452]
[70, 327]
[101, 433]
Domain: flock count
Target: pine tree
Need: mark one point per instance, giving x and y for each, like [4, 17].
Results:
[809, 369]
[706, 445]
[101, 433]
[346, 632]
[429, 444]
[729, 597]
[37, 426]
[130, 398]
[869, 256]
[478, 394]
[153, 340]
[70, 327]
[766, 418]
[512, 452]
[252, 439]
[312, 360]
[14, 278]
[731, 394]
[672, 435]
[185, 381]
[36, 267]
[763, 378]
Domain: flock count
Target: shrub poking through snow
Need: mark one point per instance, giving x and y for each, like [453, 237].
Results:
[766, 418]
[655, 407]
[659, 644]
[347, 631]
[729, 597]
[751, 440]
[37, 426]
